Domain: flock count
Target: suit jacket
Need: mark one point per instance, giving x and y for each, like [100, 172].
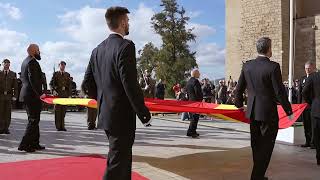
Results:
[311, 93]
[31, 77]
[302, 82]
[8, 85]
[112, 74]
[194, 90]
[262, 78]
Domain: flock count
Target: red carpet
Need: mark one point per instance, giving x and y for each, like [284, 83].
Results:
[69, 168]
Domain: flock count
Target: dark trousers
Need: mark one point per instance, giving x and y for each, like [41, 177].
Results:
[194, 118]
[32, 133]
[119, 162]
[307, 124]
[91, 117]
[5, 114]
[263, 136]
[316, 130]
[59, 115]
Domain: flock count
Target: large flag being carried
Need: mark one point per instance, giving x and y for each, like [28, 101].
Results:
[226, 112]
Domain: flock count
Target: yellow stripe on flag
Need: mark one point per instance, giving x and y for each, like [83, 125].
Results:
[71, 101]
[226, 107]
[221, 116]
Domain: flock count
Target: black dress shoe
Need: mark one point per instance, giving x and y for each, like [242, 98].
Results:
[148, 125]
[26, 149]
[305, 145]
[193, 135]
[38, 147]
[63, 129]
[7, 131]
[91, 128]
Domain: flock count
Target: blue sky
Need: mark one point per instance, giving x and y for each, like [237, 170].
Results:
[68, 30]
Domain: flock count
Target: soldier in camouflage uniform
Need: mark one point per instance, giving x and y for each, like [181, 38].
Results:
[61, 86]
[8, 92]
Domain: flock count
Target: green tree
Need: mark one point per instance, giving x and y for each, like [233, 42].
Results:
[175, 58]
[148, 58]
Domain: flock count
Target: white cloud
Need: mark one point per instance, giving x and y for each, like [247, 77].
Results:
[141, 31]
[75, 54]
[201, 30]
[11, 41]
[210, 54]
[88, 25]
[211, 60]
[13, 47]
[11, 11]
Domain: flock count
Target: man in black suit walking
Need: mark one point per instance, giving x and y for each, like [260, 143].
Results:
[31, 91]
[194, 92]
[262, 78]
[311, 93]
[112, 76]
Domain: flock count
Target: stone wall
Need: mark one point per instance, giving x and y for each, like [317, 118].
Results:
[304, 44]
[307, 47]
[269, 18]
[258, 18]
[233, 38]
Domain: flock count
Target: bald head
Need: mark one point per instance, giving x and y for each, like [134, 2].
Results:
[195, 73]
[33, 51]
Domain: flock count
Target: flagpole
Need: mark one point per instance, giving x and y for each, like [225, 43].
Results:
[291, 51]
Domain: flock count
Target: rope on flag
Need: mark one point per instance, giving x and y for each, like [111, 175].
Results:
[226, 112]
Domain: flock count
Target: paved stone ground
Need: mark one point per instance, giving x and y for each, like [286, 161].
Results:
[164, 152]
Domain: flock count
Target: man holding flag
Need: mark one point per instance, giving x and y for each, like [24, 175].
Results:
[262, 78]
[112, 74]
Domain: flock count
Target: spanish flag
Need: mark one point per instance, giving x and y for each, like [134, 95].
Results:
[226, 112]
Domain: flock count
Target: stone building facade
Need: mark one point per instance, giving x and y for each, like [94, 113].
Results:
[248, 20]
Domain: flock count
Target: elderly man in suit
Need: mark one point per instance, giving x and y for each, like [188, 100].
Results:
[194, 92]
[262, 78]
[112, 75]
[310, 68]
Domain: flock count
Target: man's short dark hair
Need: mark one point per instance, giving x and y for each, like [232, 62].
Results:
[114, 15]
[263, 45]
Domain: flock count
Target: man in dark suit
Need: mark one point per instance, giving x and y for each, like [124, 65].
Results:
[306, 116]
[160, 89]
[262, 78]
[311, 94]
[194, 92]
[112, 76]
[31, 77]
